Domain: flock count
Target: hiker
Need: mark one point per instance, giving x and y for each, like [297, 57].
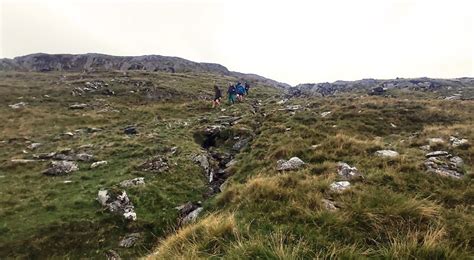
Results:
[240, 91]
[231, 92]
[217, 97]
[247, 87]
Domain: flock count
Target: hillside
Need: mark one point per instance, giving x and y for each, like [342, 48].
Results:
[100, 159]
[93, 62]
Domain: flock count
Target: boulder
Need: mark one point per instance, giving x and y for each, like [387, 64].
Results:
[61, 168]
[292, 164]
[133, 182]
[458, 142]
[339, 186]
[117, 203]
[130, 240]
[98, 164]
[188, 212]
[329, 205]
[456, 162]
[348, 172]
[387, 153]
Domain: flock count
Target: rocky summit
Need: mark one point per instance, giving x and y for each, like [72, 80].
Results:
[125, 157]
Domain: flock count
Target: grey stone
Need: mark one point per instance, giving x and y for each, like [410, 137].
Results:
[133, 182]
[437, 154]
[61, 168]
[457, 142]
[34, 146]
[18, 105]
[78, 106]
[339, 186]
[387, 153]
[98, 164]
[130, 240]
[348, 172]
[329, 205]
[292, 164]
[117, 203]
[84, 157]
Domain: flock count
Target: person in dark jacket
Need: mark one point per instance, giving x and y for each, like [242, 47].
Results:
[231, 92]
[217, 97]
[247, 87]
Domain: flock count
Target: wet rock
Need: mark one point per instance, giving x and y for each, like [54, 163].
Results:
[117, 203]
[292, 164]
[78, 106]
[329, 205]
[130, 130]
[133, 182]
[348, 172]
[61, 168]
[437, 154]
[192, 216]
[458, 142]
[18, 105]
[231, 163]
[98, 164]
[130, 240]
[33, 146]
[339, 186]
[156, 164]
[387, 153]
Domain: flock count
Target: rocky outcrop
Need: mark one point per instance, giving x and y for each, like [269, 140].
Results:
[444, 164]
[93, 62]
[117, 203]
[380, 87]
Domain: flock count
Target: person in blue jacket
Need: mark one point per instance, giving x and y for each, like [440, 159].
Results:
[240, 91]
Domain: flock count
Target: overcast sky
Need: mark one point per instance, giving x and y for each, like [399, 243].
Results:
[291, 41]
